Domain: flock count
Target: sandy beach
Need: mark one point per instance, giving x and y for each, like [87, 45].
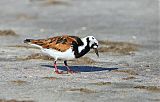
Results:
[128, 69]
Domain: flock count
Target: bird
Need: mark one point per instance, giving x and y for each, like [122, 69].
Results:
[65, 47]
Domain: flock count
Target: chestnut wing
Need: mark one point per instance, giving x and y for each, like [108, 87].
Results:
[60, 43]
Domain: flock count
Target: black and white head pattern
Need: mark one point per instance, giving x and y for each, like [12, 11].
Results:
[93, 43]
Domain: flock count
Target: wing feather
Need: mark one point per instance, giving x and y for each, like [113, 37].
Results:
[60, 43]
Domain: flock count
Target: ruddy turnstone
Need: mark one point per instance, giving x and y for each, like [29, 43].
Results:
[65, 47]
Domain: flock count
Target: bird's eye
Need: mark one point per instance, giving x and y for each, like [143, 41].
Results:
[92, 37]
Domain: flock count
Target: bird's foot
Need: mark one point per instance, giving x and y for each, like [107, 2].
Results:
[58, 72]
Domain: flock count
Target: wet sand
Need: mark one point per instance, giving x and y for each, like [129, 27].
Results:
[126, 71]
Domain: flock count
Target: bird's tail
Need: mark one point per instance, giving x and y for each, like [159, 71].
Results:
[33, 43]
[28, 40]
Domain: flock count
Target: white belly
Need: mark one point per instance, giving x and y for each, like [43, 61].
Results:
[67, 55]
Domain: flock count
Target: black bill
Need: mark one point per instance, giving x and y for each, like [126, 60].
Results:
[96, 51]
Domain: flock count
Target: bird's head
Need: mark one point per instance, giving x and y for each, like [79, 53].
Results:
[93, 43]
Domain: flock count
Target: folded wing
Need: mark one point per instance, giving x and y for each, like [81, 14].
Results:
[60, 43]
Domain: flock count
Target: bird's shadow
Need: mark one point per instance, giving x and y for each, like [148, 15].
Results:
[82, 68]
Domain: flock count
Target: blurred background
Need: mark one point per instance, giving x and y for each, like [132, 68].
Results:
[119, 20]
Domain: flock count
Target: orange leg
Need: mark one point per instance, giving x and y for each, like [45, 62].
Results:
[56, 69]
[68, 69]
